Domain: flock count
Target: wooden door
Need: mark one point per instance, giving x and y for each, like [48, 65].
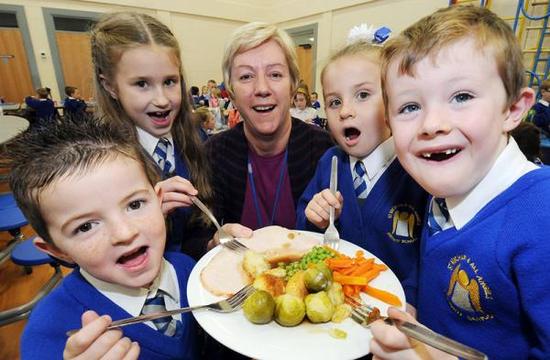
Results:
[76, 61]
[15, 76]
[305, 64]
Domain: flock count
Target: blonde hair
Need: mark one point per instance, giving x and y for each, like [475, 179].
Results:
[434, 32]
[202, 115]
[118, 32]
[304, 92]
[361, 47]
[252, 35]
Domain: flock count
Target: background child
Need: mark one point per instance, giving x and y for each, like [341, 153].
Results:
[87, 191]
[527, 135]
[302, 107]
[129, 46]
[205, 122]
[384, 214]
[73, 105]
[541, 109]
[314, 101]
[453, 86]
[42, 106]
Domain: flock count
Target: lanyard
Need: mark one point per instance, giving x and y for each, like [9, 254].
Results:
[277, 193]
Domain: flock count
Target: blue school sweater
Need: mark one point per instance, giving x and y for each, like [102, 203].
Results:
[45, 336]
[74, 107]
[488, 284]
[387, 224]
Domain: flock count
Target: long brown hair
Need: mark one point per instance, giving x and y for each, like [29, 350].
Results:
[118, 32]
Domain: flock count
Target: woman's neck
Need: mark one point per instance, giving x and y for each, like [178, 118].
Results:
[270, 145]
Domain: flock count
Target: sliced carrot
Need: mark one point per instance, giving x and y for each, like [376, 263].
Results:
[371, 274]
[383, 295]
[339, 263]
[363, 268]
[349, 280]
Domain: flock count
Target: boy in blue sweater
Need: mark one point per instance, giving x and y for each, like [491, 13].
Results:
[73, 106]
[43, 107]
[87, 192]
[453, 88]
[541, 109]
[384, 213]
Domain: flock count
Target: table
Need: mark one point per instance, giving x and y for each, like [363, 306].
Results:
[10, 106]
[11, 125]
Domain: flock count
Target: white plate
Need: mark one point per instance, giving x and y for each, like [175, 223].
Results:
[272, 341]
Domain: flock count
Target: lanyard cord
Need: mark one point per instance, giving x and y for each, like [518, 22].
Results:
[277, 193]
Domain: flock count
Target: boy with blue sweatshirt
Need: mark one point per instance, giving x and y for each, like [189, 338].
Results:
[378, 205]
[87, 192]
[453, 88]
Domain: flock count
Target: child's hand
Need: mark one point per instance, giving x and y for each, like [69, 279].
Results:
[389, 343]
[318, 208]
[176, 192]
[93, 341]
[236, 230]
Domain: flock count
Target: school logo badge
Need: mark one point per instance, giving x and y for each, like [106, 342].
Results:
[468, 292]
[405, 224]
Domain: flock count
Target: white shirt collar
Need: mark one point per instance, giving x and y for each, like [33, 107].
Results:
[510, 165]
[377, 160]
[544, 102]
[133, 299]
[149, 142]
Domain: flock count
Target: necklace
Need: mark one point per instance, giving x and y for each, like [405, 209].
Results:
[277, 192]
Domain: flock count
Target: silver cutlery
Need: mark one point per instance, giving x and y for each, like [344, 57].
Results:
[364, 315]
[225, 239]
[332, 237]
[228, 305]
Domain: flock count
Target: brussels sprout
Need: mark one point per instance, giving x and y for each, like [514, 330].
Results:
[296, 286]
[316, 279]
[289, 310]
[319, 308]
[335, 293]
[259, 307]
[324, 269]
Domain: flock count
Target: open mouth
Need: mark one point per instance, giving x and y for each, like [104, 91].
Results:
[351, 134]
[159, 114]
[441, 155]
[263, 109]
[132, 257]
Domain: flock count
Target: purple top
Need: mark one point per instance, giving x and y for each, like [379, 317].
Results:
[266, 174]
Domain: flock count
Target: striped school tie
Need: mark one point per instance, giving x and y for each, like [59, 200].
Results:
[438, 216]
[160, 155]
[169, 326]
[359, 183]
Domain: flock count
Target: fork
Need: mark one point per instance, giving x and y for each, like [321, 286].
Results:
[225, 239]
[228, 305]
[364, 315]
[332, 237]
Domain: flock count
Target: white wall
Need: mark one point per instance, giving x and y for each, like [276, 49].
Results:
[203, 26]
[333, 25]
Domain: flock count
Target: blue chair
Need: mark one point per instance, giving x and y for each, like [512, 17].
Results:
[11, 220]
[23, 252]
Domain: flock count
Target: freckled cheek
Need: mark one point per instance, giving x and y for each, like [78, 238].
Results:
[155, 225]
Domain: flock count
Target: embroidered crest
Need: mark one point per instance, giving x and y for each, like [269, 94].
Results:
[467, 292]
[405, 224]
